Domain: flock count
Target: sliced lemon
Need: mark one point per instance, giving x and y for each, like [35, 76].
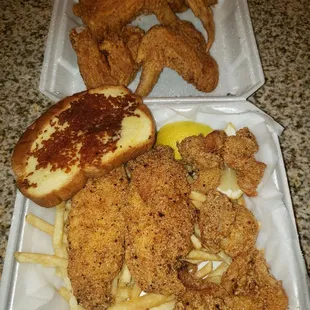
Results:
[175, 132]
[230, 130]
[229, 185]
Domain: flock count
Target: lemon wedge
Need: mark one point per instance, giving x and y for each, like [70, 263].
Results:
[229, 185]
[175, 132]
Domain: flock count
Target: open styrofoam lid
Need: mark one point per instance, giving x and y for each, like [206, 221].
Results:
[234, 50]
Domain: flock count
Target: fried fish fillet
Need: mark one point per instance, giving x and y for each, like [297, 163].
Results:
[159, 221]
[226, 226]
[181, 47]
[238, 153]
[96, 236]
[248, 279]
[204, 155]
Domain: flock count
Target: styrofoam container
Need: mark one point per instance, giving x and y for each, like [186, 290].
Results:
[234, 50]
[30, 287]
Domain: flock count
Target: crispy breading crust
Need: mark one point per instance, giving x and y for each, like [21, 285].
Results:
[248, 278]
[238, 153]
[96, 236]
[159, 221]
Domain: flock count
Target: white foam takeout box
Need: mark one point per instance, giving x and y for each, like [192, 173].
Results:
[29, 287]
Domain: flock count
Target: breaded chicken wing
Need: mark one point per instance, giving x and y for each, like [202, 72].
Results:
[110, 63]
[202, 9]
[180, 47]
[203, 154]
[93, 64]
[106, 16]
[159, 221]
[248, 279]
[96, 236]
[238, 153]
[121, 50]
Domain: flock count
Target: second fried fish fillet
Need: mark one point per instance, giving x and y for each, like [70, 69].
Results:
[159, 221]
[96, 233]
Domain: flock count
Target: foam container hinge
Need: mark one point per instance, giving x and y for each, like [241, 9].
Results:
[234, 49]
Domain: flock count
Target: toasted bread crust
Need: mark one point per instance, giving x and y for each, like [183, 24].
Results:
[77, 181]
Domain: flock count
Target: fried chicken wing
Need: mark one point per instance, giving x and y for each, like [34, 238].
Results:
[121, 50]
[202, 9]
[248, 279]
[203, 154]
[159, 221]
[180, 47]
[96, 236]
[93, 65]
[238, 153]
[106, 16]
[110, 63]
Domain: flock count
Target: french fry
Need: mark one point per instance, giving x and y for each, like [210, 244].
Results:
[114, 286]
[197, 204]
[40, 224]
[144, 302]
[197, 196]
[165, 306]
[58, 230]
[196, 242]
[135, 291]
[122, 294]
[197, 230]
[215, 279]
[63, 292]
[201, 255]
[225, 257]
[125, 276]
[219, 270]
[193, 261]
[205, 270]
[43, 259]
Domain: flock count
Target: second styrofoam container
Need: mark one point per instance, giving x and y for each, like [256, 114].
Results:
[234, 49]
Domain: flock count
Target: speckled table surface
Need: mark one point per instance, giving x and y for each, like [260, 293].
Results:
[283, 37]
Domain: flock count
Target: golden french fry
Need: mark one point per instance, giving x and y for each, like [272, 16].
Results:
[219, 270]
[58, 229]
[193, 261]
[58, 272]
[197, 230]
[114, 286]
[197, 196]
[165, 306]
[214, 279]
[64, 293]
[202, 255]
[227, 259]
[196, 242]
[135, 291]
[204, 270]
[43, 259]
[122, 294]
[144, 302]
[125, 276]
[40, 224]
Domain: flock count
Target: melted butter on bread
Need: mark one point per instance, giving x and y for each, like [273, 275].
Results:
[85, 135]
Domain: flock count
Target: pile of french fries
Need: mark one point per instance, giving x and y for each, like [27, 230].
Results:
[126, 293]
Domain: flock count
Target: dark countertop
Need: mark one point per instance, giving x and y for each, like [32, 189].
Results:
[283, 37]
